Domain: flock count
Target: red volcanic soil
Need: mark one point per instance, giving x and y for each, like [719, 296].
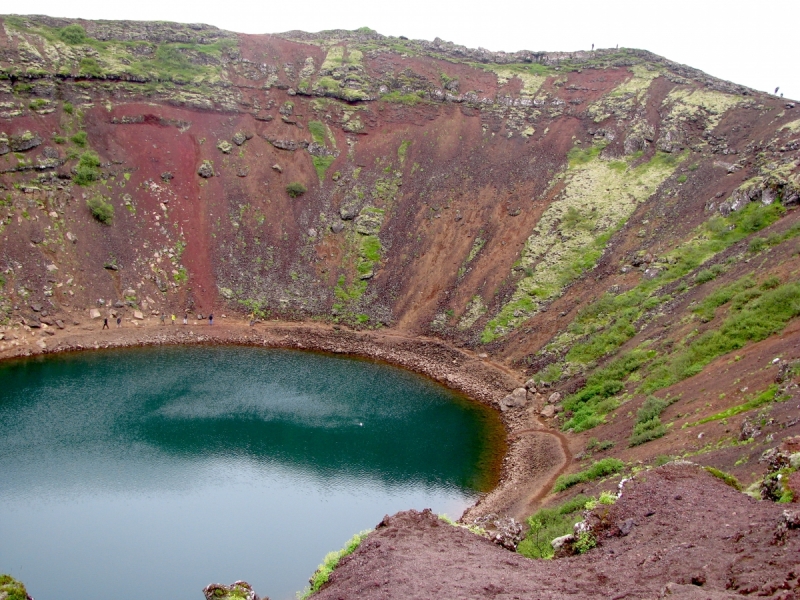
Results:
[675, 532]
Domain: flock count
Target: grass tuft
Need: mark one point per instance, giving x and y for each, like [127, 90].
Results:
[600, 468]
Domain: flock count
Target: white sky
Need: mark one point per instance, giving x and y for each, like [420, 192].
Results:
[753, 43]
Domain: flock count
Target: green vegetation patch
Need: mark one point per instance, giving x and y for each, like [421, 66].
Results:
[648, 421]
[409, 99]
[88, 169]
[590, 404]
[598, 469]
[329, 563]
[726, 477]
[101, 210]
[547, 524]
[754, 320]
[574, 230]
[72, 51]
[296, 189]
[765, 397]
[11, 589]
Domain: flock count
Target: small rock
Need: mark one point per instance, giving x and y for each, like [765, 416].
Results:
[277, 168]
[72, 237]
[626, 527]
[554, 398]
[167, 176]
[337, 227]
[36, 307]
[94, 313]
[530, 385]
[51, 268]
[59, 323]
[137, 314]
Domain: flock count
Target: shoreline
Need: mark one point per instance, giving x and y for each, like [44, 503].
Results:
[534, 454]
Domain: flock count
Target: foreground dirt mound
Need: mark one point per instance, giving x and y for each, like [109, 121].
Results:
[676, 531]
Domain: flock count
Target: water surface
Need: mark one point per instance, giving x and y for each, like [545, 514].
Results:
[166, 469]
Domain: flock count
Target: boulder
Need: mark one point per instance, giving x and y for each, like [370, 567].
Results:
[36, 307]
[240, 137]
[368, 222]
[137, 314]
[348, 213]
[206, 169]
[516, 399]
[337, 227]
[94, 313]
[530, 385]
[72, 237]
[554, 398]
[548, 411]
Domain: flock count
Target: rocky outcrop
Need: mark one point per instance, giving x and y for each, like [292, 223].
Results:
[240, 590]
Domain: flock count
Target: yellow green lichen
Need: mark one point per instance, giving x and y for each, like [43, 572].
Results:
[475, 310]
[689, 103]
[622, 99]
[792, 126]
[572, 233]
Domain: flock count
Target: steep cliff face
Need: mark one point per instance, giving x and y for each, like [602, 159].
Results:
[592, 218]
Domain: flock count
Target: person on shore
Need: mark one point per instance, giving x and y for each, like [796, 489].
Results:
[163, 316]
[105, 323]
[119, 322]
[185, 319]
[173, 319]
[211, 319]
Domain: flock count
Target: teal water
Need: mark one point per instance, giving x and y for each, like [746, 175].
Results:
[153, 472]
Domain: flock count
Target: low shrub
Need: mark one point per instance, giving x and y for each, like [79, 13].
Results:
[79, 139]
[600, 468]
[88, 169]
[547, 524]
[101, 210]
[296, 189]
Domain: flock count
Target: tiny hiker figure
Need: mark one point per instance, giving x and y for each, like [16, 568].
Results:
[173, 319]
[185, 319]
[119, 321]
[211, 319]
[163, 316]
[105, 323]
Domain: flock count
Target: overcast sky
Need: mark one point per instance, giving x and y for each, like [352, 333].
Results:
[751, 43]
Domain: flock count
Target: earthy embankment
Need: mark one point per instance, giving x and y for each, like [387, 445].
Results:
[676, 532]
[534, 456]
